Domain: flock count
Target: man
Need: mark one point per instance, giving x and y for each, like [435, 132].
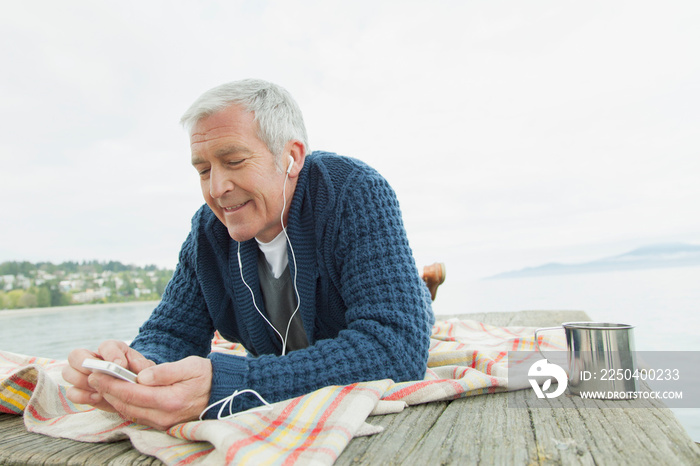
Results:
[300, 257]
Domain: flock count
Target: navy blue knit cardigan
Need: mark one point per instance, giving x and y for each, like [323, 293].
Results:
[366, 312]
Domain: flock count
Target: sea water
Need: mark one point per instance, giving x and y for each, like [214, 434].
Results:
[662, 304]
[54, 331]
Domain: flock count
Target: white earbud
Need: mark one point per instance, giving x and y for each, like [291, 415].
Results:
[291, 164]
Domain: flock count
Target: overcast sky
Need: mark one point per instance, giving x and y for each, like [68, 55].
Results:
[515, 133]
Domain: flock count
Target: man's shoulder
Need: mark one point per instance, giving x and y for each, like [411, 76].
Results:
[332, 183]
[320, 157]
[337, 168]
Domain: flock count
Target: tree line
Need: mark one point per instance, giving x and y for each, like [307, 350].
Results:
[25, 284]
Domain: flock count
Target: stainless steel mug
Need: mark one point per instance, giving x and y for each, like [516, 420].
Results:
[601, 358]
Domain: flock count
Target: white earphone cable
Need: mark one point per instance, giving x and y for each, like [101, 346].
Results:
[296, 290]
[294, 259]
[252, 296]
[229, 399]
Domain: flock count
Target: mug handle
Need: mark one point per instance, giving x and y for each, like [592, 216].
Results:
[537, 342]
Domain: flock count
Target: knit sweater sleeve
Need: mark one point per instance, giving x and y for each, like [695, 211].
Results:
[180, 325]
[388, 317]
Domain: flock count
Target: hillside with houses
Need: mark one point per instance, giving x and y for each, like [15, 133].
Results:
[31, 285]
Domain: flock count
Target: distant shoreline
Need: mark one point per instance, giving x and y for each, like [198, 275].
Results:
[72, 307]
[649, 257]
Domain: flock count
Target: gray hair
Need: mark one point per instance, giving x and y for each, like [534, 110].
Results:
[278, 116]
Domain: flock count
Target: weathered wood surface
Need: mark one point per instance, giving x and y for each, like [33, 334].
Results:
[480, 429]
[19, 447]
[483, 430]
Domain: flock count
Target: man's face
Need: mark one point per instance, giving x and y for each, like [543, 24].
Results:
[239, 178]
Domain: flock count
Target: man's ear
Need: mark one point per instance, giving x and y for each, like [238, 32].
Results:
[296, 150]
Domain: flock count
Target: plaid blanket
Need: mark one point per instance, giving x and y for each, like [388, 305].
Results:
[466, 358]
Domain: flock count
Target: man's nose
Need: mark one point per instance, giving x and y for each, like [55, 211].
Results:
[219, 184]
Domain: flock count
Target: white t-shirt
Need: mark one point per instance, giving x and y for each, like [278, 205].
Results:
[275, 254]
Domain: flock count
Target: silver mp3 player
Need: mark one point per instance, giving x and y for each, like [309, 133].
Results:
[110, 368]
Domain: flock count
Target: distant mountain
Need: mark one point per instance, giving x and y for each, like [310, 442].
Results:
[647, 257]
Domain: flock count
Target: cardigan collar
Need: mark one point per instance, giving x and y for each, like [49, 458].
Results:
[255, 334]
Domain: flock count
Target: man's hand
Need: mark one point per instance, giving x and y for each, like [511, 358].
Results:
[114, 351]
[165, 395]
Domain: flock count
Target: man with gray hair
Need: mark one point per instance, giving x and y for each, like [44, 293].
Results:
[301, 257]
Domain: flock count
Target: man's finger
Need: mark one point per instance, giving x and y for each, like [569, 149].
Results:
[84, 397]
[151, 406]
[74, 372]
[91, 398]
[175, 372]
[122, 394]
[137, 362]
[114, 351]
[76, 358]
[122, 354]
[76, 378]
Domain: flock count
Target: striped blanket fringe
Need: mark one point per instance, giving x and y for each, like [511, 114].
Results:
[466, 358]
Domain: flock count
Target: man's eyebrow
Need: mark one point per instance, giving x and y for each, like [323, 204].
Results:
[222, 152]
[231, 150]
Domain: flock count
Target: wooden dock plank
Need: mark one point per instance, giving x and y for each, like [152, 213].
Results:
[19, 447]
[484, 429]
[402, 432]
[471, 431]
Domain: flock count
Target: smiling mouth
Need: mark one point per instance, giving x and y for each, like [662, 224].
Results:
[234, 208]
